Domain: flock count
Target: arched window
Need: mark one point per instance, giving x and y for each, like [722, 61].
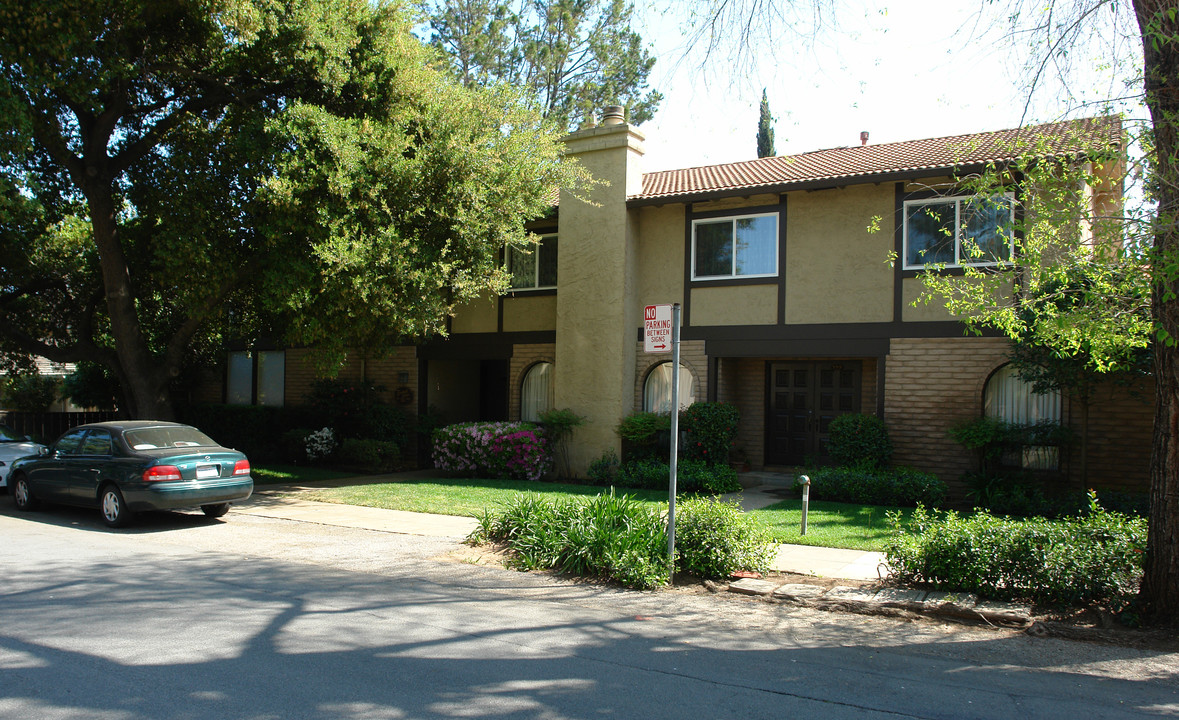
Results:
[536, 393]
[1010, 398]
[657, 388]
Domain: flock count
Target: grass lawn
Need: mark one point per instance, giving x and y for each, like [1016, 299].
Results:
[272, 474]
[459, 496]
[829, 524]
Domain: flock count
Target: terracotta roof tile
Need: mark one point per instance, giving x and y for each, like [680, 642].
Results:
[862, 163]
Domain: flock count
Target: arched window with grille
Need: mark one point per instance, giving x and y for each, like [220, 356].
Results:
[536, 392]
[1010, 398]
[657, 388]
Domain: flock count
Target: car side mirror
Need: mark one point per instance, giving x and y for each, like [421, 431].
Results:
[42, 451]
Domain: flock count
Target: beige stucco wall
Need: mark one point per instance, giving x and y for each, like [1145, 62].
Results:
[735, 305]
[660, 254]
[525, 313]
[837, 271]
[597, 308]
[477, 316]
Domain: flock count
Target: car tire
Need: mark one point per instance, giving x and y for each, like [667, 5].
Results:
[22, 494]
[113, 507]
[215, 511]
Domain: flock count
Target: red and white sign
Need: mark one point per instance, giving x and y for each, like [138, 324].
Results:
[657, 329]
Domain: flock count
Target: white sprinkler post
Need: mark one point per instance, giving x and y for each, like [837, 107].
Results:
[806, 500]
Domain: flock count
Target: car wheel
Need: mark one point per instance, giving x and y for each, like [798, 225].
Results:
[22, 495]
[215, 511]
[114, 509]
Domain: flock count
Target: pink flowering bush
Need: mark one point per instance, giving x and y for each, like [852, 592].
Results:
[516, 450]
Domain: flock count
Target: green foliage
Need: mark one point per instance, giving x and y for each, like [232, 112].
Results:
[91, 385]
[861, 440]
[570, 58]
[641, 433]
[1094, 558]
[716, 539]
[765, 129]
[353, 409]
[710, 428]
[990, 437]
[293, 446]
[493, 449]
[30, 393]
[1021, 494]
[608, 536]
[369, 455]
[617, 538]
[294, 170]
[604, 470]
[256, 430]
[558, 427]
[692, 476]
[901, 487]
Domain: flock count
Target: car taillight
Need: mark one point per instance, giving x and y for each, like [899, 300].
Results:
[161, 473]
[241, 467]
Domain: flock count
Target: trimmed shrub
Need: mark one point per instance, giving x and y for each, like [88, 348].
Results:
[640, 433]
[369, 455]
[711, 428]
[716, 539]
[320, 445]
[860, 440]
[355, 410]
[293, 445]
[1094, 558]
[692, 476]
[604, 470]
[903, 487]
[495, 450]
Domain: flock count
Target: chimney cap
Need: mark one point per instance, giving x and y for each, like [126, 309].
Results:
[613, 115]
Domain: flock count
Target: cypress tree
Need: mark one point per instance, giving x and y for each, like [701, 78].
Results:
[765, 129]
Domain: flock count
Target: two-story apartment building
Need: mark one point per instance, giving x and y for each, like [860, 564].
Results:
[792, 309]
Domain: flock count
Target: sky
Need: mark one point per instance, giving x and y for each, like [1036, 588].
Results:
[899, 69]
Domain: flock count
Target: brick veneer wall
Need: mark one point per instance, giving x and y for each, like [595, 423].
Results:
[742, 382]
[1121, 427]
[301, 374]
[523, 358]
[931, 384]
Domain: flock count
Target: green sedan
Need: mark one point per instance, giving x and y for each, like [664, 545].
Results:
[122, 468]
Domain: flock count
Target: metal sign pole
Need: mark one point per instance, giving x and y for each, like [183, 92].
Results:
[675, 438]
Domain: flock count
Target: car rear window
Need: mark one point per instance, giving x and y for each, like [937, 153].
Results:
[167, 437]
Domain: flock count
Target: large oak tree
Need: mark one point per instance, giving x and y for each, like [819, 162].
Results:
[171, 172]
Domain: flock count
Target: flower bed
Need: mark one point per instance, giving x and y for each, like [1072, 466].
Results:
[493, 449]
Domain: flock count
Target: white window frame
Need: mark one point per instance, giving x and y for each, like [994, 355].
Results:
[959, 230]
[536, 266]
[732, 219]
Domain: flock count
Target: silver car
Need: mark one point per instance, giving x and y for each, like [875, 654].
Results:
[13, 446]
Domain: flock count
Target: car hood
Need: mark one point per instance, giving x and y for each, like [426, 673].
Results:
[14, 450]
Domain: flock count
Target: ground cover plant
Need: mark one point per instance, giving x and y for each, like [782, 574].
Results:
[830, 524]
[618, 538]
[1093, 558]
[455, 496]
[294, 474]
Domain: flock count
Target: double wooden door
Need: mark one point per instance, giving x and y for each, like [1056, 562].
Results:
[804, 397]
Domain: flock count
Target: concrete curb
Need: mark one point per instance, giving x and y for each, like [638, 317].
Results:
[871, 600]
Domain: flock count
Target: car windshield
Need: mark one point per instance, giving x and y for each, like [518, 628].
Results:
[7, 434]
[167, 437]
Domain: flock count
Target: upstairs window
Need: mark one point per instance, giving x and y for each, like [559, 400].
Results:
[959, 231]
[735, 247]
[534, 268]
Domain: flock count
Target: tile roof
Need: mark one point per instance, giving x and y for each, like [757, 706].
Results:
[845, 165]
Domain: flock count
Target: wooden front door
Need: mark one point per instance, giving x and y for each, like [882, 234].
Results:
[804, 397]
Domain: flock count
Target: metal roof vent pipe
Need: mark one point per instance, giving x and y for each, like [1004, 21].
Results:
[863, 138]
[613, 115]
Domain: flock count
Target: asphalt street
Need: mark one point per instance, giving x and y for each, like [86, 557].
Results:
[250, 617]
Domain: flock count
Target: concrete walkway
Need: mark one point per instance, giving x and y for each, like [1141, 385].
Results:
[274, 501]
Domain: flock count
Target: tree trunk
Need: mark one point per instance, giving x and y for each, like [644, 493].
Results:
[1160, 42]
[144, 380]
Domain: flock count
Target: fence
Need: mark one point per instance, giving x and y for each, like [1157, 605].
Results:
[47, 426]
